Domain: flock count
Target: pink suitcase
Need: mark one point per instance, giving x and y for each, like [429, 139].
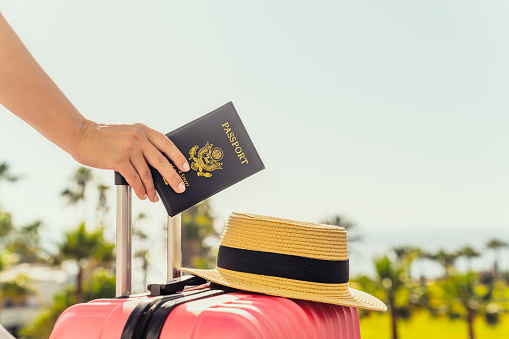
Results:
[204, 311]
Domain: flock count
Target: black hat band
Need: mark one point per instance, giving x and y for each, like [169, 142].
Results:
[283, 265]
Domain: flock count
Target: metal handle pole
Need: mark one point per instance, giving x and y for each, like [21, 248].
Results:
[174, 253]
[124, 241]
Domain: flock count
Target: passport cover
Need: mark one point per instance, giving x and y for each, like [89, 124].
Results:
[220, 154]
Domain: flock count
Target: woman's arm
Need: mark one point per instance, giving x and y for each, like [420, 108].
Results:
[28, 92]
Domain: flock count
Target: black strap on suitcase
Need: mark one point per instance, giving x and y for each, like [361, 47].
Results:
[148, 317]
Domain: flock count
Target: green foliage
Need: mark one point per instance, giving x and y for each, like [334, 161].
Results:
[100, 285]
[5, 228]
[75, 193]
[20, 244]
[446, 259]
[5, 173]
[42, 326]
[201, 263]
[390, 274]
[87, 249]
[389, 285]
[197, 222]
[469, 252]
[460, 291]
[197, 225]
[16, 290]
[80, 244]
[420, 297]
[25, 243]
[459, 296]
[102, 205]
[12, 239]
[496, 244]
[467, 298]
[365, 283]
[6, 225]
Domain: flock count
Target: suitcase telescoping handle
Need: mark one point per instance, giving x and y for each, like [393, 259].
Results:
[124, 240]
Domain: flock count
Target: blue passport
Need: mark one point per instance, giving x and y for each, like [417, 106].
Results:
[220, 153]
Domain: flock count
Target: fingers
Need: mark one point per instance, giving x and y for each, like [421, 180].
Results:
[165, 145]
[134, 180]
[146, 148]
[157, 160]
[145, 176]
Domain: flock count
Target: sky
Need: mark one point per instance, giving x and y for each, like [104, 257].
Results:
[393, 113]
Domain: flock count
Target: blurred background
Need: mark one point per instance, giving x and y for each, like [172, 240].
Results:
[388, 118]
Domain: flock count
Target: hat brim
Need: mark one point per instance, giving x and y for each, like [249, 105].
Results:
[338, 294]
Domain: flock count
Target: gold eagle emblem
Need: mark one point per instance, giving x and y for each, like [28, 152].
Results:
[207, 158]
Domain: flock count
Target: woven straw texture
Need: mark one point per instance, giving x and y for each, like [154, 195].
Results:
[310, 240]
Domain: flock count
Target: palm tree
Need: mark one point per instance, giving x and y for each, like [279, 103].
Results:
[387, 285]
[84, 247]
[6, 225]
[406, 255]
[137, 230]
[496, 245]
[349, 225]
[26, 243]
[5, 173]
[421, 255]
[446, 259]
[5, 217]
[102, 205]
[15, 290]
[469, 253]
[462, 291]
[75, 193]
[390, 275]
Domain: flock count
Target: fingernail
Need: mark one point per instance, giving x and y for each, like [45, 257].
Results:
[156, 198]
[182, 188]
[186, 167]
[144, 197]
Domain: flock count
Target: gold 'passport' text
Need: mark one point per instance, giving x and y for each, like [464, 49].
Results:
[233, 139]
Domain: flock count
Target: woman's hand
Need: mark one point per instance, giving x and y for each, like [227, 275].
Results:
[129, 149]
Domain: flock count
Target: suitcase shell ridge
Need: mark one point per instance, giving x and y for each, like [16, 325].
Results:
[228, 316]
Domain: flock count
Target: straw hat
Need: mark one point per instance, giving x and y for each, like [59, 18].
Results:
[286, 258]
